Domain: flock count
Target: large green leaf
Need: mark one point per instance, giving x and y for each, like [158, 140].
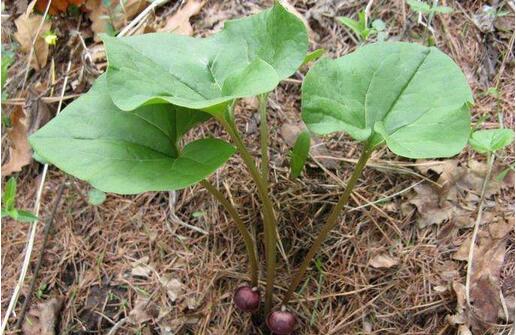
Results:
[248, 57]
[412, 97]
[128, 152]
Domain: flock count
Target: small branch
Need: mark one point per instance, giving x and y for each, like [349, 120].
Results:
[46, 231]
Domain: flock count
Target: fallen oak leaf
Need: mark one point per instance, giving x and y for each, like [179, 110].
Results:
[27, 26]
[20, 152]
[179, 23]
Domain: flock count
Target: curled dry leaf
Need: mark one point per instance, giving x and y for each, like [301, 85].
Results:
[42, 319]
[179, 23]
[383, 261]
[20, 152]
[27, 26]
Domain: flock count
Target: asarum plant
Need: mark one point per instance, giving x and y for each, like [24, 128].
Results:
[124, 135]
[411, 98]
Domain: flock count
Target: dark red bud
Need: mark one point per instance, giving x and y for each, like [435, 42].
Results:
[247, 299]
[281, 322]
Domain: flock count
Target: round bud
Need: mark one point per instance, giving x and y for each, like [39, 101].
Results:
[247, 299]
[281, 322]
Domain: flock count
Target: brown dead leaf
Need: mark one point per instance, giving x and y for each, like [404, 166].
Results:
[42, 319]
[488, 258]
[459, 191]
[179, 23]
[460, 318]
[116, 15]
[144, 310]
[487, 264]
[141, 268]
[20, 152]
[27, 26]
[383, 261]
[173, 286]
[427, 202]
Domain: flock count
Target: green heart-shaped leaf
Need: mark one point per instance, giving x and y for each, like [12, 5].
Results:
[247, 58]
[128, 152]
[412, 97]
[491, 140]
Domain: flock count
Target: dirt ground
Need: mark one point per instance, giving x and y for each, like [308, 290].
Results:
[167, 263]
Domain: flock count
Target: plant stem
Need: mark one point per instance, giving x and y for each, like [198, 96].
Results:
[269, 221]
[490, 162]
[248, 240]
[331, 222]
[264, 136]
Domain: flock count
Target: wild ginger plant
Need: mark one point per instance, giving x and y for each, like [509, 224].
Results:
[124, 135]
[413, 99]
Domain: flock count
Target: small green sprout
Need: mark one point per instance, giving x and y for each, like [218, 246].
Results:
[299, 153]
[9, 203]
[362, 29]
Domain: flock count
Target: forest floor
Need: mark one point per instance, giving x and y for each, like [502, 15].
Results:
[168, 262]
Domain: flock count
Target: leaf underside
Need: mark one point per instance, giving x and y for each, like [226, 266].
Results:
[248, 57]
[412, 97]
[128, 152]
